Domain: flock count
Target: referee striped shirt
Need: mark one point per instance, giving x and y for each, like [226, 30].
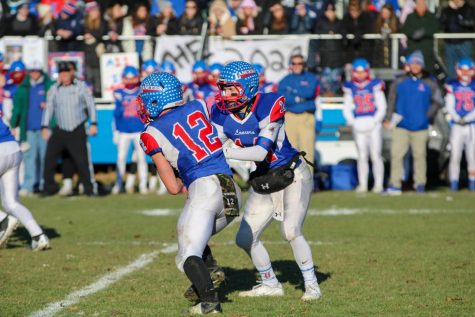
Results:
[70, 105]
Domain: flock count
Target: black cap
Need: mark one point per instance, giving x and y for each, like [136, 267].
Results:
[66, 66]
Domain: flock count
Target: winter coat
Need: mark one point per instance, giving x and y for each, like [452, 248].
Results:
[21, 105]
[420, 34]
[330, 51]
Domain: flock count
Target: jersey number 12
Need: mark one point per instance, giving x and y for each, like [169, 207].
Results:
[208, 144]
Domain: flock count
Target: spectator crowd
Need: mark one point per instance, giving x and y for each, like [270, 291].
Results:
[96, 28]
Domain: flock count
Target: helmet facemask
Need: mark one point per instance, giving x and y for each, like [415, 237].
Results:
[234, 101]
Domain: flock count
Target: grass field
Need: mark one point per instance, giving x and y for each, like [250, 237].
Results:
[412, 255]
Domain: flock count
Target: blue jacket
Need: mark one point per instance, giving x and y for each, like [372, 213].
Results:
[416, 100]
[300, 92]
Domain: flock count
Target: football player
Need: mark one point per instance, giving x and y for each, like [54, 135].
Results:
[282, 183]
[149, 66]
[199, 88]
[10, 159]
[127, 130]
[168, 67]
[365, 107]
[16, 74]
[460, 101]
[179, 136]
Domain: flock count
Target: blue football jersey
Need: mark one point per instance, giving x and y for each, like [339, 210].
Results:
[464, 96]
[202, 92]
[363, 96]
[188, 141]
[126, 117]
[5, 134]
[267, 108]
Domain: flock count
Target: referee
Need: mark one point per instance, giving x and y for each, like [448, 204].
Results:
[71, 104]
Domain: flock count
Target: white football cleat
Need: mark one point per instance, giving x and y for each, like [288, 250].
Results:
[312, 292]
[7, 227]
[42, 243]
[115, 190]
[143, 190]
[67, 188]
[377, 189]
[204, 308]
[262, 289]
[361, 189]
[162, 190]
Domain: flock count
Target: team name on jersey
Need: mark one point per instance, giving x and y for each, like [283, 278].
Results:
[238, 132]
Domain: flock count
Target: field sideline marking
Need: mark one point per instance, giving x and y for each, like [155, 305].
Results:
[224, 243]
[326, 212]
[108, 279]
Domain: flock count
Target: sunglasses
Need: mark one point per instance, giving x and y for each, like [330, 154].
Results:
[297, 63]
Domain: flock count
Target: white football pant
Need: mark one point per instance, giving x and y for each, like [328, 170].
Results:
[123, 144]
[202, 217]
[258, 214]
[462, 137]
[369, 144]
[10, 159]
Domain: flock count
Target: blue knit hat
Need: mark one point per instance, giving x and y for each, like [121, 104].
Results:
[416, 58]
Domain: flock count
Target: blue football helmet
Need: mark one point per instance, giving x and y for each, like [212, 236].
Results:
[17, 66]
[244, 78]
[149, 66]
[465, 69]
[168, 67]
[199, 65]
[158, 91]
[215, 67]
[259, 69]
[358, 65]
[130, 72]
[214, 72]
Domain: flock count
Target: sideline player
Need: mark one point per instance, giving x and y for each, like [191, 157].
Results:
[365, 107]
[10, 159]
[127, 130]
[179, 136]
[460, 103]
[255, 122]
[199, 88]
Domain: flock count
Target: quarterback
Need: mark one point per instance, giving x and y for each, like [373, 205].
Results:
[282, 182]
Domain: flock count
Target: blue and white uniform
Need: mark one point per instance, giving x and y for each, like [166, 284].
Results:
[460, 103]
[190, 143]
[10, 159]
[261, 138]
[365, 107]
[128, 127]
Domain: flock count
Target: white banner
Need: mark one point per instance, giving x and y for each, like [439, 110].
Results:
[272, 54]
[29, 49]
[181, 50]
[112, 66]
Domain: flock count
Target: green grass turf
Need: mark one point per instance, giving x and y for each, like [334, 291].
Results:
[397, 256]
